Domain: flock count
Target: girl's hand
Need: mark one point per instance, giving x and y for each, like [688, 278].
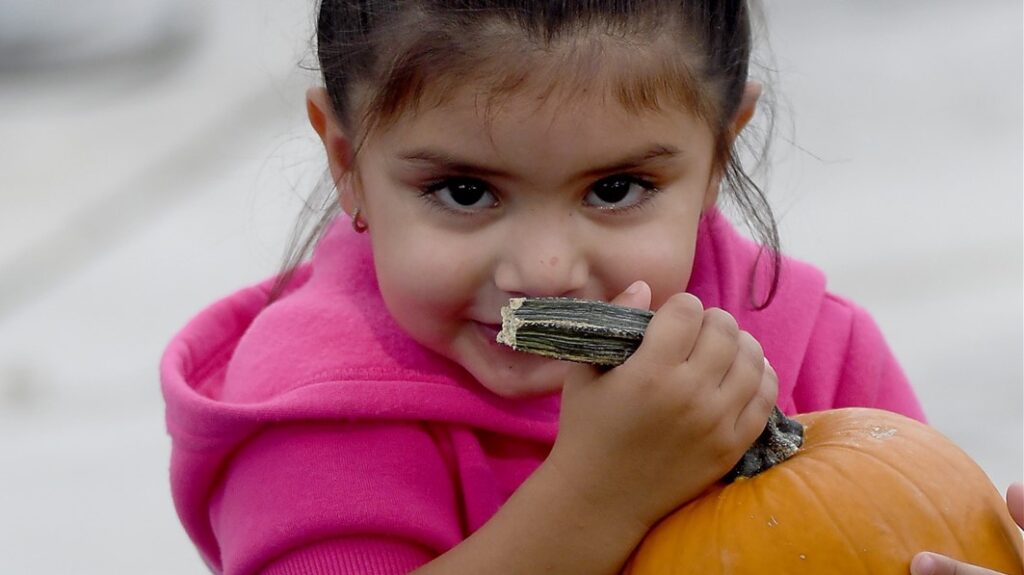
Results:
[646, 437]
[933, 564]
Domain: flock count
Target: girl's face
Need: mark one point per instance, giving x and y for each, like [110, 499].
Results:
[539, 198]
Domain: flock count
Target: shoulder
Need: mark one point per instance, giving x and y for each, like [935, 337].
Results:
[839, 322]
[847, 337]
[827, 350]
[849, 363]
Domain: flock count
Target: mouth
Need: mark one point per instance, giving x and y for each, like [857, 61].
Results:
[490, 333]
[522, 373]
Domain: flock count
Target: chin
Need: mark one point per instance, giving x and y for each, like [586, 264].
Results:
[502, 371]
[544, 379]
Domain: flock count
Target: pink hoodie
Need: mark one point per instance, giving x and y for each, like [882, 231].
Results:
[313, 436]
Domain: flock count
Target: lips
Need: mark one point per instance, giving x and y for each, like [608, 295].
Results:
[508, 372]
[490, 331]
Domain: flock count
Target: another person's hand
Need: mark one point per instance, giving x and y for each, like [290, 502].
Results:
[934, 564]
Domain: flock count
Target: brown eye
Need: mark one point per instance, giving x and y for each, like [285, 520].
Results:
[466, 194]
[462, 194]
[619, 192]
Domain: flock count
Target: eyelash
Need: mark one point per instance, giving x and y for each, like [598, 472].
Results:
[650, 189]
[428, 190]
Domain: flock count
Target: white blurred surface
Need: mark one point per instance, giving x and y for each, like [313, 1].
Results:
[37, 33]
[133, 196]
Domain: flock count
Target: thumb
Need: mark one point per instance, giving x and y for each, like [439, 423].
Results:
[934, 564]
[1015, 503]
[637, 295]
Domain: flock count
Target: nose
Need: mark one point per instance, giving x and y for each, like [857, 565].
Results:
[542, 260]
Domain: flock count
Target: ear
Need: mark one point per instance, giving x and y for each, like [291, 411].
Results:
[748, 105]
[336, 143]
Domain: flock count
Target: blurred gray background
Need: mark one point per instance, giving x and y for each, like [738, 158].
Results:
[153, 159]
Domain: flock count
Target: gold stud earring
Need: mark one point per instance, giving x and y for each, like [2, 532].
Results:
[357, 222]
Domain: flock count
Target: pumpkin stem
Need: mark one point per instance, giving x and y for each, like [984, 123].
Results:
[606, 335]
[780, 439]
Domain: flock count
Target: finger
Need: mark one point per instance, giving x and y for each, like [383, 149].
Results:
[637, 296]
[934, 564]
[1015, 503]
[715, 350]
[744, 375]
[672, 332]
[752, 420]
[742, 381]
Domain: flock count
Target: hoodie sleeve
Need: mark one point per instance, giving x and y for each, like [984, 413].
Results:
[318, 498]
[849, 364]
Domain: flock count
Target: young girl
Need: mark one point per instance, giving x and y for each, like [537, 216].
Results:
[355, 414]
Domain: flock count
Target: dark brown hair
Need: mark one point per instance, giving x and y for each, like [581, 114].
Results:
[381, 58]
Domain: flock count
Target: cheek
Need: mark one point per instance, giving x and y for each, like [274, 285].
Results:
[664, 260]
[424, 282]
[670, 276]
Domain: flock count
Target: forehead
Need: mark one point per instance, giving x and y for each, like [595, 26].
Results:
[656, 77]
[539, 134]
[534, 122]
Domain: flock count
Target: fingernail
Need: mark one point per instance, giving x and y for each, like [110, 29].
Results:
[635, 287]
[923, 564]
[768, 364]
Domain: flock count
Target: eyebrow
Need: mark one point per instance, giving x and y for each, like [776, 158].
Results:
[655, 154]
[446, 162]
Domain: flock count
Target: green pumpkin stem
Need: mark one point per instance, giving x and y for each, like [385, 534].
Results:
[606, 335]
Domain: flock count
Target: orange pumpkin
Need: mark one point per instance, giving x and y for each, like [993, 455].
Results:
[867, 491]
